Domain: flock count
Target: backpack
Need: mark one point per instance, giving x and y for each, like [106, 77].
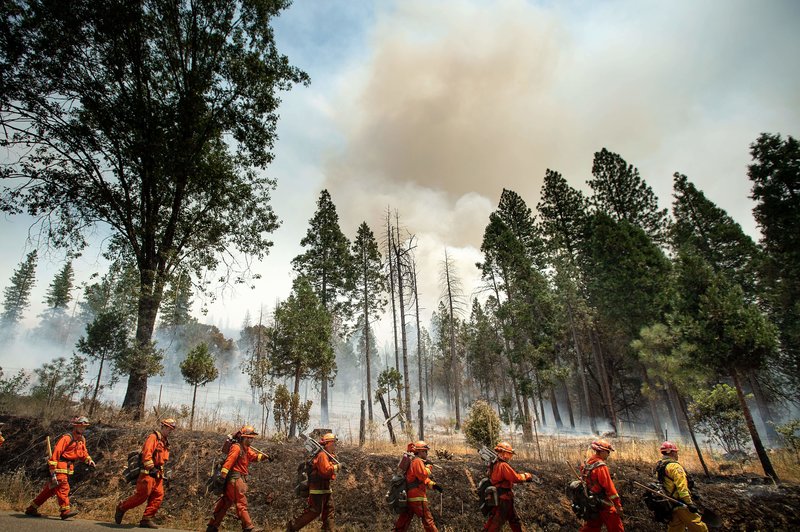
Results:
[487, 493]
[215, 484]
[133, 464]
[660, 506]
[303, 474]
[585, 505]
[397, 494]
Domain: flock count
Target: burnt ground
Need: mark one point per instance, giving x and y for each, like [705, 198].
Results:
[743, 502]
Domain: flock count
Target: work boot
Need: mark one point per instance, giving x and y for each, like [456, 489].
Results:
[118, 515]
[253, 529]
[212, 528]
[32, 511]
[68, 514]
[147, 523]
[289, 527]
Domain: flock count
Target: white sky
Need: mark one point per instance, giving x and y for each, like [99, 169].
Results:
[433, 107]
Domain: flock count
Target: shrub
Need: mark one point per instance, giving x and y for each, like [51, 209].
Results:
[718, 415]
[482, 426]
[790, 434]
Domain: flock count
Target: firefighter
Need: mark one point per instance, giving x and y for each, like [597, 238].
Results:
[503, 477]
[320, 495]
[417, 483]
[234, 475]
[672, 477]
[598, 480]
[150, 485]
[69, 449]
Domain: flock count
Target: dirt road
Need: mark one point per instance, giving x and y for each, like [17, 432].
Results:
[19, 522]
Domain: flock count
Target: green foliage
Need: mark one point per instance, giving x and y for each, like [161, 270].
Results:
[106, 340]
[287, 406]
[145, 358]
[256, 364]
[621, 193]
[717, 414]
[198, 367]
[482, 426]
[59, 380]
[790, 434]
[176, 307]
[390, 380]
[59, 294]
[775, 174]
[16, 296]
[12, 387]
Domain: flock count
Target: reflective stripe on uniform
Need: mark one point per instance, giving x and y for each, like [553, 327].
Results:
[63, 471]
[321, 492]
[418, 499]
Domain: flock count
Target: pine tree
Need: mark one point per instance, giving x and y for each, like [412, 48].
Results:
[328, 267]
[621, 192]
[369, 296]
[176, 306]
[55, 321]
[106, 340]
[16, 297]
[198, 370]
[300, 339]
[775, 174]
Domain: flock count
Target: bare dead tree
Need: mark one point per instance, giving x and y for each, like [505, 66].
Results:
[453, 294]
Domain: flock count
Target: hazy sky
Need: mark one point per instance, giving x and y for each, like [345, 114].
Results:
[433, 107]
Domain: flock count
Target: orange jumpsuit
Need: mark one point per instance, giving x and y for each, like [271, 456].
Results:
[235, 471]
[150, 485]
[320, 495]
[600, 483]
[418, 474]
[70, 448]
[503, 477]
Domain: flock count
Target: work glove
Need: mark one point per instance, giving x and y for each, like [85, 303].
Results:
[53, 478]
[153, 473]
[270, 458]
[342, 468]
[438, 488]
[91, 463]
[528, 477]
[693, 508]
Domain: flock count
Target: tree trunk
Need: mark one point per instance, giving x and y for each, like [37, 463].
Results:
[151, 292]
[453, 356]
[293, 414]
[673, 413]
[97, 385]
[362, 427]
[554, 407]
[366, 349]
[419, 354]
[390, 237]
[674, 398]
[654, 417]
[388, 423]
[751, 426]
[323, 400]
[402, 303]
[767, 421]
[691, 432]
[194, 400]
[569, 404]
[587, 403]
[605, 385]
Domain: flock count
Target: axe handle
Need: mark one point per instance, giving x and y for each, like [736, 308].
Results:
[49, 449]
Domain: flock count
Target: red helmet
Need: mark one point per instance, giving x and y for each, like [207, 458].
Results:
[668, 447]
[328, 438]
[602, 445]
[421, 446]
[248, 431]
[169, 422]
[504, 447]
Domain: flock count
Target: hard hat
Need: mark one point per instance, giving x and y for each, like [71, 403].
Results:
[248, 431]
[410, 447]
[169, 422]
[421, 446]
[504, 447]
[668, 447]
[602, 445]
[81, 421]
[328, 438]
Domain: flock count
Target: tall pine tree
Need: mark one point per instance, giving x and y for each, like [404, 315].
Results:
[16, 297]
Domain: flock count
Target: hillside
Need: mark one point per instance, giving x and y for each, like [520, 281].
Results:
[743, 502]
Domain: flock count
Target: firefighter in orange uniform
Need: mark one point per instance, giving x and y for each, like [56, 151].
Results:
[417, 482]
[69, 449]
[503, 477]
[598, 480]
[150, 485]
[234, 474]
[320, 495]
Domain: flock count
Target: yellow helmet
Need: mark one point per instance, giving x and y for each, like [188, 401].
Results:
[328, 438]
[169, 422]
[602, 445]
[80, 421]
